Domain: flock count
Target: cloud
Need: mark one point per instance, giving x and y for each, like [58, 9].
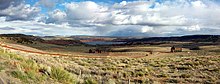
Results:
[7, 3]
[198, 4]
[17, 10]
[49, 3]
[57, 16]
[86, 13]
[125, 13]
[7, 28]
[179, 13]
[40, 28]
[146, 18]
[146, 29]
[150, 17]
[192, 28]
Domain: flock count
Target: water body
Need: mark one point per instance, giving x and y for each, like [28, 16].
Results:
[103, 43]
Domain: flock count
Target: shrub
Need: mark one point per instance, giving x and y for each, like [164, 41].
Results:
[29, 65]
[140, 73]
[20, 75]
[61, 75]
[14, 56]
[90, 81]
[172, 81]
[111, 81]
[1, 68]
[28, 72]
[162, 75]
[185, 75]
[31, 75]
[195, 48]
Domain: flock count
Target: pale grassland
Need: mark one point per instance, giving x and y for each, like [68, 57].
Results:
[195, 67]
[178, 69]
[28, 71]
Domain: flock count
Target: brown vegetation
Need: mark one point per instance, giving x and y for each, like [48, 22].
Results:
[121, 64]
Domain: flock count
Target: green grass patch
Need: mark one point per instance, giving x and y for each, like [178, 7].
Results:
[29, 65]
[20, 75]
[1, 68]
[61, 75]
[90, 81]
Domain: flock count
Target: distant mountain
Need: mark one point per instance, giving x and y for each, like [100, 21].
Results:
[78, 40]
[190, 38]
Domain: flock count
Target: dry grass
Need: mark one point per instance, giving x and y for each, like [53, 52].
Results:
[199, 66]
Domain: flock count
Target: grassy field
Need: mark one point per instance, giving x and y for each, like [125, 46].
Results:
[19, 70]
[189, 66]
[51, 47]
[196, 67]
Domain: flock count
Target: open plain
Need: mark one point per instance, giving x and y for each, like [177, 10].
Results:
[41, 62]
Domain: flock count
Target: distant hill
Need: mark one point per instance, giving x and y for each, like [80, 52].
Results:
[29, 39]
[190, 38]
[21, 38]
[64, 42]
[78, 40]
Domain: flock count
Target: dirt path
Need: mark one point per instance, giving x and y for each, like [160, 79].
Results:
[24, 47]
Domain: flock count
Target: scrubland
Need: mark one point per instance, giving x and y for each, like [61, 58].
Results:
[201, 66]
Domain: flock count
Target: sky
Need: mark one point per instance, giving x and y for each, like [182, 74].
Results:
[110, 17]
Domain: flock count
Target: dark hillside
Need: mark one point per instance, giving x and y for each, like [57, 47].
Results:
[191, 38]
[21, 38]
[29, 39]
[64, 42]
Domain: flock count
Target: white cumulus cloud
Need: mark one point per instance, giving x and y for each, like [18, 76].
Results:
[57, 16]
[17, 10]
